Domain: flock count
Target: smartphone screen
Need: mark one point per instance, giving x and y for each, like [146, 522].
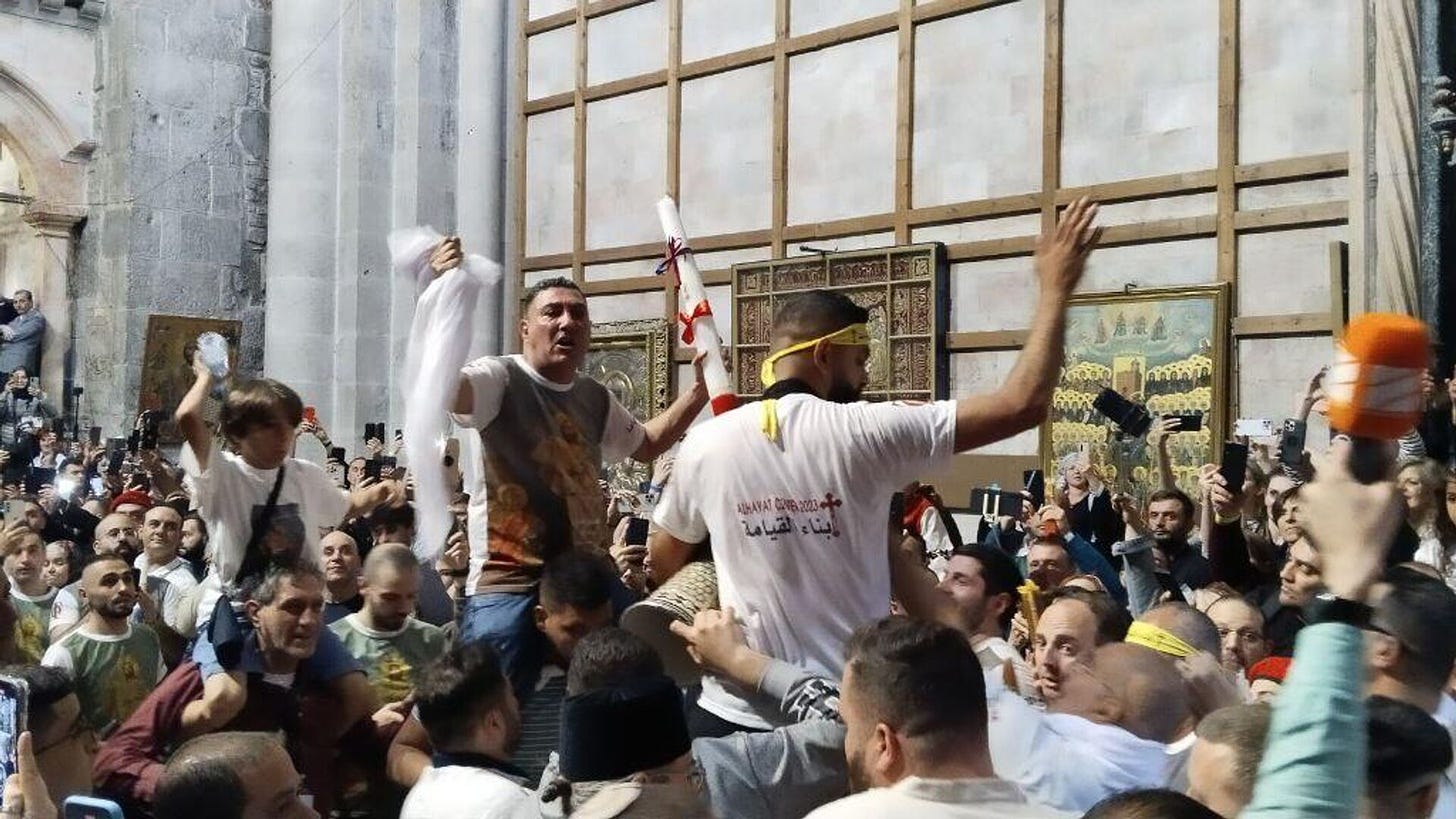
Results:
[1188, 423]
[90, 807]
[636, 531]
[1234, 465]
[371, 469]
[14, 694]
[387, 463]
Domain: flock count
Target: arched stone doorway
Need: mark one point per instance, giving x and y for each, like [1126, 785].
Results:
[42, 206]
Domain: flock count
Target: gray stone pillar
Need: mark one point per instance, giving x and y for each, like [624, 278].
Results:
[485, 103]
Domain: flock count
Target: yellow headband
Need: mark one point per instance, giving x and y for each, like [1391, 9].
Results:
[1160, 640]
[852, 336]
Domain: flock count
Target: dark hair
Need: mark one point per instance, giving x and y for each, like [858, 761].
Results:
[582, 580]
[998, 573]
[202, 778]
[392, 517]
[256, 403]
[1404, 743]
[1277, 508]
[555, 282]
[1112, 619]
[1174, 495]
[815, 313]
[457, 691]
[1420, 612]
[1187, 624]
[263, 589]
[105, 558]
[1150, 804]
[922, 679]
[46, 686]
[28, 294]
[610, 657]
[1244, 728]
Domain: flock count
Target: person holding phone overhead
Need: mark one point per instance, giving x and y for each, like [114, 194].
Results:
[804, 477]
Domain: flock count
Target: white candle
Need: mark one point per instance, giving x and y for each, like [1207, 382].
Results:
[696, 314]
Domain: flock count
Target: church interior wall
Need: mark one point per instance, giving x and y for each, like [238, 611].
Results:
[879, 122]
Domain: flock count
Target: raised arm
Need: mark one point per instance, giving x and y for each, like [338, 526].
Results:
[189, 414]
[672, 423]
[1021, 403]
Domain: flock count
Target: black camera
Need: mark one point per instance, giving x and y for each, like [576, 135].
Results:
[1132, 418]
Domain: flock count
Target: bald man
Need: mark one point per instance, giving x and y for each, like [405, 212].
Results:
[231, 775]
[1107, 732]
[384, 636]
[115, 534]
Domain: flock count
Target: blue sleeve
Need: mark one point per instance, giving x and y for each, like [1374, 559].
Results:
[1141, 574]
[25, 330]
[1089, 560]
[1314, 760]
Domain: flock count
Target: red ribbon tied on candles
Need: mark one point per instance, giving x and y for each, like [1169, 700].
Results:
[675, 249]
[700, 310]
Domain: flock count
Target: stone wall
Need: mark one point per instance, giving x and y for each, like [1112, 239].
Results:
[177, 218]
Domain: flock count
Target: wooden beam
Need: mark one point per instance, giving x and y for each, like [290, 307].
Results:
[560, 19]
[578, 191]
[878, 223]
[511, 309]
[674, 136]
[780, 172]
[1228, 138]
[532, 264]
[626, 85]
[904, 120]
[1018, 205]
[728, 62]
[1339, 285]
[986, 341]
[839, 35]
[991, 248]
[555, 102]
[1187, 227]
[1292, 216]
[601, 8]
[930, 12]
[1051, 115]
[1291, 324]
[649, 284]
[1150, 187]
[1317, 166]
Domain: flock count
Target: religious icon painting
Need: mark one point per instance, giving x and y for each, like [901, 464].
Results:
[1164, 349]
[903, 289]
[632, 359]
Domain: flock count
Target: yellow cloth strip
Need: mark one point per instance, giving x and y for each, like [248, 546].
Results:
[1160, 640]
[851, 336]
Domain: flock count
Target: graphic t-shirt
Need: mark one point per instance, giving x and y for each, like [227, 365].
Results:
[231, 495]
[32, 623]
[799, 529]
[391, 659]
[544, 447]
[113, 673]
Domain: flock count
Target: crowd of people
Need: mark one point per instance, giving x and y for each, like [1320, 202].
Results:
[239, 632]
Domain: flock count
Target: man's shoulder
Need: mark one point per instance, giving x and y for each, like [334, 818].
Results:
[457, 790]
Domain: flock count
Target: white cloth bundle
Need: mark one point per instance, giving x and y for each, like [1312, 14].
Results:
[439, 345]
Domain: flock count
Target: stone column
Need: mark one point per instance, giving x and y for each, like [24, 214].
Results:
[299, 326]
[480, 167]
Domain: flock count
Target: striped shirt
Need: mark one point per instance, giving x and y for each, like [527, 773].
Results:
[541, 723]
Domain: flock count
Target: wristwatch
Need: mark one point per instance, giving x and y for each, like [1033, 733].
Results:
[1325, 607]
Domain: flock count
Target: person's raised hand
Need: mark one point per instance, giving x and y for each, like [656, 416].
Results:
[1061, 255]
[25, 792]
[1227, 503]
[374, 447]
[1314, 392]
[457, 551]
[1208, 684]
[1351, 524]
[393, 714]
[447, 256]
[1160, 430]
[1054, 516]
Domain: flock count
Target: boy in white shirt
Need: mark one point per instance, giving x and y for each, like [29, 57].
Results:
[258, 485]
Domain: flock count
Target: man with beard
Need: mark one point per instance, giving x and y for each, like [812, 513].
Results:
[914, 710]
[793, 489]
[115, 662]
[116, 534]
[1240, 631]
[384, 637]
[1168, 521]
[474, 723]
[547, 431]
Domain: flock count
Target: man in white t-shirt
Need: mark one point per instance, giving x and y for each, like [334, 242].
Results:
[795, 490]
[547, 430]
[168, 577]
